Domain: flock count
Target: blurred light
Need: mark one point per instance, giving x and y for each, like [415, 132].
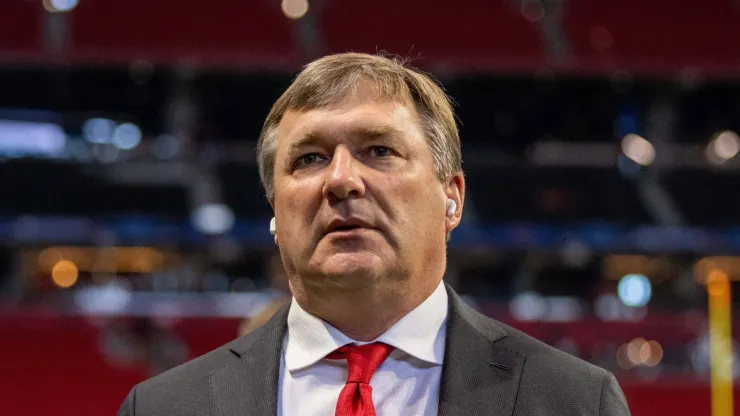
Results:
[109, 259]
[576, 253]
[638, 149]
[126, 136]
[655, 353]
[49, 257]
[64, 274]
[19, 138]
[528, 306]
[608, 307]
[724, 147]
[634, 349]
[562, 309]
[718, 283]
[166, 147]
[98, 130]
[294, 9]
[634, 290]
[645, 352]
[213, 218]
[623, 359]
[142, 265]
[59, 6]
[730, 265]
[113, 298]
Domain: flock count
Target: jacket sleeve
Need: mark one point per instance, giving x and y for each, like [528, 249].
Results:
[612, 402]
[128, 406]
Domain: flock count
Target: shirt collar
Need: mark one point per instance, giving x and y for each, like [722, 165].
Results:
[420, 333]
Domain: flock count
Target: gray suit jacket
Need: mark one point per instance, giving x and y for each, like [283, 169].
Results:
[489, 369]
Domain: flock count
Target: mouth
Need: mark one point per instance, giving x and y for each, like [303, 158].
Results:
[347, 227]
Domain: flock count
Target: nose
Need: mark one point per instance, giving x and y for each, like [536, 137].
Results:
[343, 178]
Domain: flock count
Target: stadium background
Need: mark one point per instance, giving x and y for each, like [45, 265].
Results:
[599, 144]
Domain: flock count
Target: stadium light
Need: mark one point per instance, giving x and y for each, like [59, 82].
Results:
[724, 146]
[59, 6]
[126, 136]
[98, 130]
[634, 290]
[638, 149]
[64, 274]
[294, 9]
[213, 218]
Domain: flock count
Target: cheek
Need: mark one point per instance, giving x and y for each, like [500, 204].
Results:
[297, 206]
[418, 202]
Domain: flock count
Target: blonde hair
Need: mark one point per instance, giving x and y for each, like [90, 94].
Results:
[326, 81]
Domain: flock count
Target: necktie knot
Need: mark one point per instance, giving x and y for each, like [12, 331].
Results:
[362, 360]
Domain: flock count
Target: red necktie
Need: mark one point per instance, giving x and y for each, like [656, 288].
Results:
[356, 398]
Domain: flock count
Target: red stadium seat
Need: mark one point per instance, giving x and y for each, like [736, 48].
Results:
[243, 30]
[467, 33]
[20, 26]
[661, 34]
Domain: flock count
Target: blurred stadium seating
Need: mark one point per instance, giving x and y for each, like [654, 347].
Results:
[599, 144]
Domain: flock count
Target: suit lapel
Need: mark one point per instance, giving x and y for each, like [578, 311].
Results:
[249, 385]
[478, 377]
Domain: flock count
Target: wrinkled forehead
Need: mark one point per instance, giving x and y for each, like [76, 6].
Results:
[359, 89]
[361, 113]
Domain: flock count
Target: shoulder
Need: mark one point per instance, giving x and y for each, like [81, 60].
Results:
[191, 371]
[539, 357]
[556, 380]
[185, 389]
[548, 360]
[549, 378]
[182, 390]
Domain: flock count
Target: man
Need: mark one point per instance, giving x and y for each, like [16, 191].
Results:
[360, 158]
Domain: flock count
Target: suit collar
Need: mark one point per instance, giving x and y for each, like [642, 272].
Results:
[249, 385]
[479, 376]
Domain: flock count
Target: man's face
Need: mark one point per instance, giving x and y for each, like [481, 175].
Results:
[357, 200]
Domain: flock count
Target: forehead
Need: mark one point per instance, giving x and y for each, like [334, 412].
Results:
[360, 111]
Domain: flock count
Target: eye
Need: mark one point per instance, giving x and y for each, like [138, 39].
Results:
[307, 159]
[380, 151]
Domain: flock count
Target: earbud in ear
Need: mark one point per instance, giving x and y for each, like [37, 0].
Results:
[273, 229]
[451, 207]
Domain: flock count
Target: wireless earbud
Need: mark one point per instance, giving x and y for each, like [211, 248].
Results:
[451, 207]
[273, 229]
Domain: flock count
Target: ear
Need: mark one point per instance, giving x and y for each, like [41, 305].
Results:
[454, 189]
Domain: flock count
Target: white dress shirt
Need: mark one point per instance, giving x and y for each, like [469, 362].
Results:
[407, 383]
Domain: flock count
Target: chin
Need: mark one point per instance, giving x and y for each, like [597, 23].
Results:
[354, 269]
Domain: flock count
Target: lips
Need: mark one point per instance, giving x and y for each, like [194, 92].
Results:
[348, 224]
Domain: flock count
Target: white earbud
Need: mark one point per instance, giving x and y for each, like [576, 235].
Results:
[273, 229]
[451, 207]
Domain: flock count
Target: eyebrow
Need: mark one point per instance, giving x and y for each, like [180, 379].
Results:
[364, 133]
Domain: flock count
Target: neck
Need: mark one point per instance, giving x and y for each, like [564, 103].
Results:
[365, 314]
